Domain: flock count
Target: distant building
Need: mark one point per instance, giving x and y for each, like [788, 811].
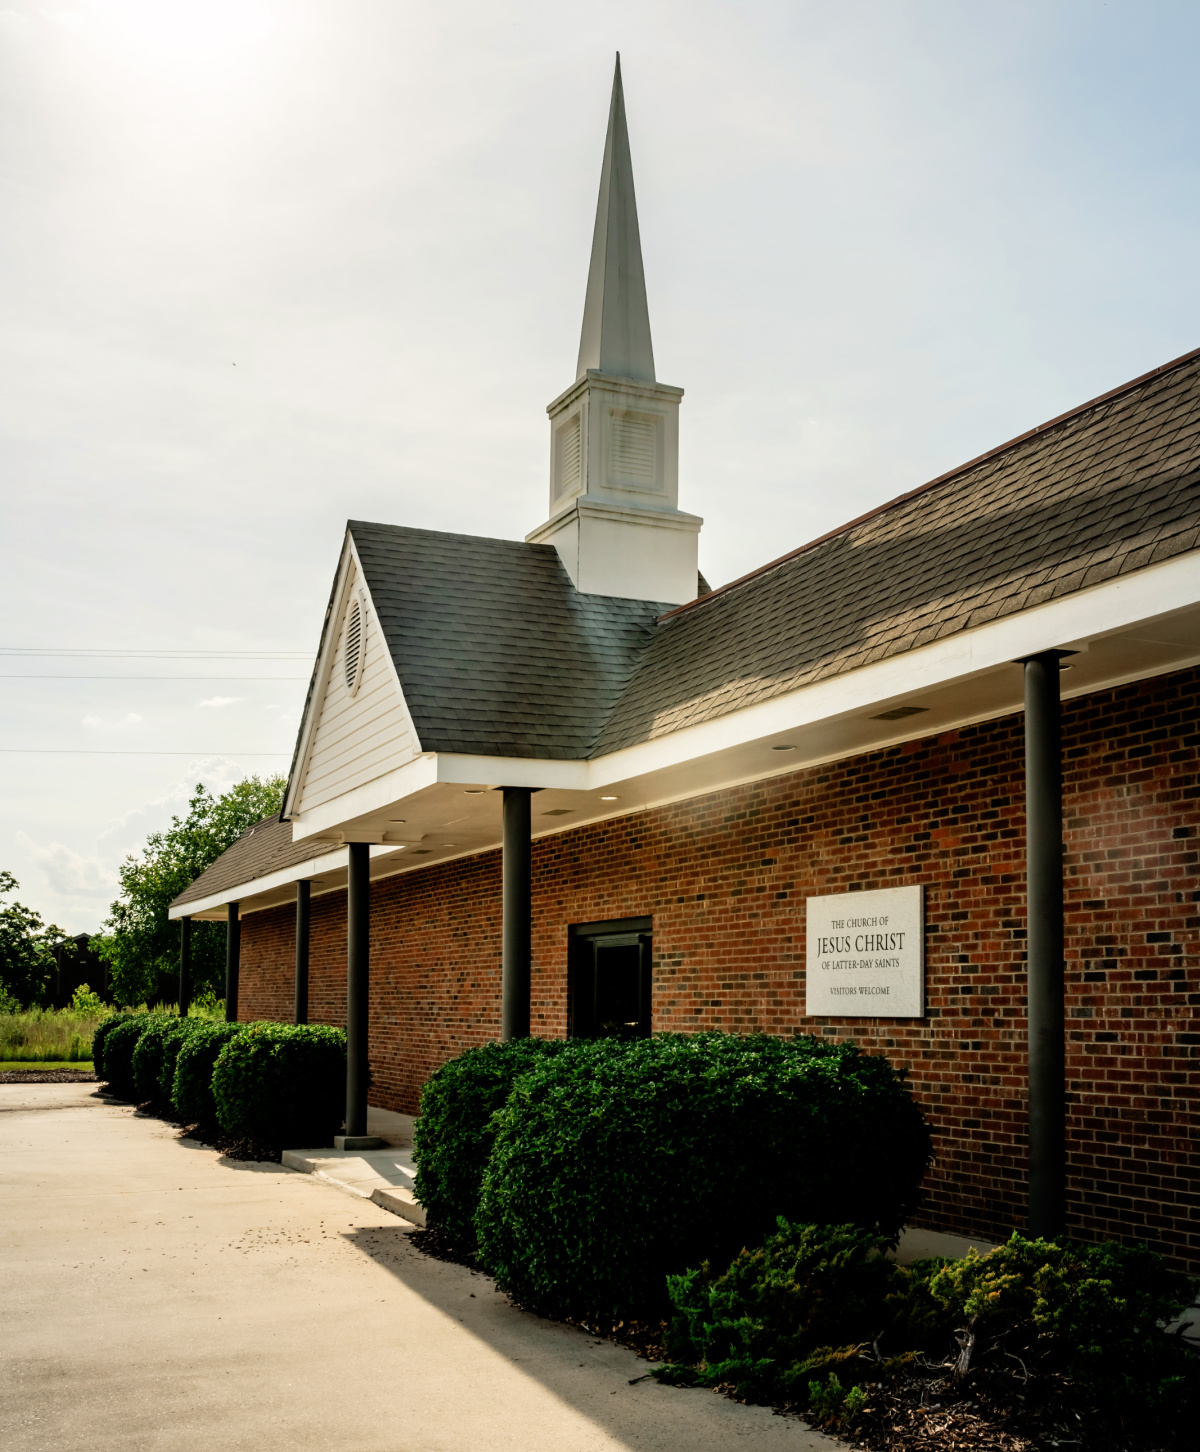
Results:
[560, 789]
[76, 963]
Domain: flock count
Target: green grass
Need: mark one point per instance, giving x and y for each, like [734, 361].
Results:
[44, 1035]
[8, 1066]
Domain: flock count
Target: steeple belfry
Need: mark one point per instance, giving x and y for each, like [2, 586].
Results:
[614, 434]
[616, 320]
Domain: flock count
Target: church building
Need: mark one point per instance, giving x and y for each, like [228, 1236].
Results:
[929, 782]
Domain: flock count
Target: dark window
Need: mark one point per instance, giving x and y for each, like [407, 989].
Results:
[611, 972]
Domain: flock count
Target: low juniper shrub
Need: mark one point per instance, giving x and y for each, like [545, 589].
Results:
[119, 1046]
[620, 1163]
[453, 1137]
[789, 1309]
[282, 1085]
[191, 1091]
[816, 1315]
[1092, 1314]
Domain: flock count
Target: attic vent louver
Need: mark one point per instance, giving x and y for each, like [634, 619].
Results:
[632, 442]
[353, 647]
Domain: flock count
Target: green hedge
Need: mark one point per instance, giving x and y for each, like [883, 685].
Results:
[1079, 1326]
[282, 1085]
[150, 1056]
[103, 1029]
[119, 1048]
[191, 1090]
[453, 1136]
[617, 1164]
[171, 1045]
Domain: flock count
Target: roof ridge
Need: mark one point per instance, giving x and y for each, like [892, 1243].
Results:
[352, 524]
[941, 479]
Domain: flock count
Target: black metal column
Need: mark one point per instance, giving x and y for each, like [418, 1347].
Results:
[185, 966]
[517, 899]
[303, 903]
[358, 952]
[1044, 910]
[233, 963]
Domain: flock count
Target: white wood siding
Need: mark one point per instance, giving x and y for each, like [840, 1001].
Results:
[357, 738]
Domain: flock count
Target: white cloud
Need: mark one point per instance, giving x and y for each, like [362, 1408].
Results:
[219, 701]
[130, 718]
[68, 872]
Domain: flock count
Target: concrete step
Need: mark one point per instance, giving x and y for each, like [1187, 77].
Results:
[384, 1176]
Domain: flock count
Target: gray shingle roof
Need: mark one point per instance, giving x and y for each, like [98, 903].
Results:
[497, 652]
[1109, 489]
[261, 849]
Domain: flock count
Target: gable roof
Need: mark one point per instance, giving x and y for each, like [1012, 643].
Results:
[496, 651]
[1104, 491]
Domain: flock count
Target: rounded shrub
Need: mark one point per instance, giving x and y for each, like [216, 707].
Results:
[103, 1029]
[119, 1046]
[158, 1044]
[452, 1139]
[282, 1084]
[620, 1163]
[191, 1089]
[172, 1042]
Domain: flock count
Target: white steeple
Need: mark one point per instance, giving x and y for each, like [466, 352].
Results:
[616, 320]
[614, 457]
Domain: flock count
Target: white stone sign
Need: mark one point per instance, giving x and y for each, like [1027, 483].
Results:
[866, 954]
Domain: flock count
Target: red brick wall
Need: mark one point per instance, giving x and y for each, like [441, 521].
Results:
[725, 877]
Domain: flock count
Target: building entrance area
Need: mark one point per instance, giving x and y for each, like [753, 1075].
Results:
[610, 979]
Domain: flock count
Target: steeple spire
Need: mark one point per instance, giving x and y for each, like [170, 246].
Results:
[615, 518]
[616, 321]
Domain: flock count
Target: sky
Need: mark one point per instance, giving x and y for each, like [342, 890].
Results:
[267, 265]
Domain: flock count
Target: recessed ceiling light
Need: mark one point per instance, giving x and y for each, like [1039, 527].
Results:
[475, 791]
[783, 748]
[610, 799]
[396, 821]
[449, 844]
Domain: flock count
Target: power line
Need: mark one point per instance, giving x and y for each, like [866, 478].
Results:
[32, 650]
[92, 751]
[5, 677]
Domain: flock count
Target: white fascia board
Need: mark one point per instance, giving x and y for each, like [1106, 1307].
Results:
[514, 771]
[1086, 614]
[320, 679]
[333, 861]
[372, 796]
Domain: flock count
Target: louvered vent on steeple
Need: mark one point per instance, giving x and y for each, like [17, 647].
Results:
[567, 465]
[352, 653]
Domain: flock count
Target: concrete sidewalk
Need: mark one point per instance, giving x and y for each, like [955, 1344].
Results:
[159, 1297]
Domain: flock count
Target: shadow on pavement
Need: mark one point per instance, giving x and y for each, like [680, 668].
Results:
[598, 1378]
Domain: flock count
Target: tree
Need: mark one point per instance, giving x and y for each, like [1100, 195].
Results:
[26, 948]
[140, 944]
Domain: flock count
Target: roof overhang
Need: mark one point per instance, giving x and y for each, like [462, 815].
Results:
[444, 805]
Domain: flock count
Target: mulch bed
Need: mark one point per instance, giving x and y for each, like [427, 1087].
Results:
[46, 1076]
